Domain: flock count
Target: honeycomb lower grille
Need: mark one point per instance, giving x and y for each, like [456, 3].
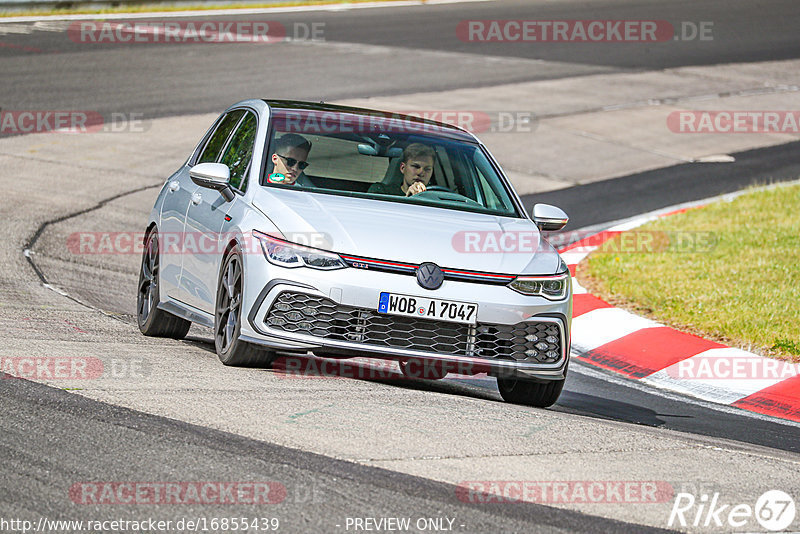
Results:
[300, 313]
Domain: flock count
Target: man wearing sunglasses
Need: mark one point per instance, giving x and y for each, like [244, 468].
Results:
[289, 161]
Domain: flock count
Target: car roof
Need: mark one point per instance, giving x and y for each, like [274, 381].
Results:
[440, 129]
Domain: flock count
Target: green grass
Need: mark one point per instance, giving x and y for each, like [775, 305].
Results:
[155, 8]
[729, 271]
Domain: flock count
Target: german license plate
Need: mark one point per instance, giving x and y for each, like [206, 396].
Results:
[428, 308]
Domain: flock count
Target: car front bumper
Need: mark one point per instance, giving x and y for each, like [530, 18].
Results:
[357, 291]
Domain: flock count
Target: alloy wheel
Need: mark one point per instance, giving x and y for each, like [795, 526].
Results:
[148, 282]
[229, 300]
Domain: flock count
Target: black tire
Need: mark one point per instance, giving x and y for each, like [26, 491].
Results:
[228, 318]
[538, 394]
[153, 321]
[415, 368]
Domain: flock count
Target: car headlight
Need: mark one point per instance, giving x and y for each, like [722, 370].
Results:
[550, 287]
[286, 254]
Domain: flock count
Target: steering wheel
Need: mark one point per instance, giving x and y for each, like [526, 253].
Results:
[437, 188]
[442, 193]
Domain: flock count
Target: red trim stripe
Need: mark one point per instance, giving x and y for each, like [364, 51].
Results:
[487, 275]
[412, 266]
[393, 264]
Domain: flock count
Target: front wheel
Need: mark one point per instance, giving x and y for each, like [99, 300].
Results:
[228, 318]
[152, 320]
[538, 394]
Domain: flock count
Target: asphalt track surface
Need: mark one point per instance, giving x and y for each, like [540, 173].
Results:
[323, 490]
[399, 51]
[42, 70]
[627, 196]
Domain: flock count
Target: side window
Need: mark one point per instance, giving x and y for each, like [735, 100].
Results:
[217, 140]
[490, 189]
[491, 199]
[240, 150]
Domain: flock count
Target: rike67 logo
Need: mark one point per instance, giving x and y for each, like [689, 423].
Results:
[774, 510]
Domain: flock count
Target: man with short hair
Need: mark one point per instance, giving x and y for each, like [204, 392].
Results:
[289, 161]
[416, 168]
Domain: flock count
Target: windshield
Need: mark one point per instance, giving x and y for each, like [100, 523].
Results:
[389, 160]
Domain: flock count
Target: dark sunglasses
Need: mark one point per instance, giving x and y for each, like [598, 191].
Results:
[291, 162]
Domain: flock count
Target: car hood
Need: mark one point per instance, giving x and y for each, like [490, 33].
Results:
[408, 232]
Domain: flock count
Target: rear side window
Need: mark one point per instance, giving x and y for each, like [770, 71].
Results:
[239, 152]
[217, 140]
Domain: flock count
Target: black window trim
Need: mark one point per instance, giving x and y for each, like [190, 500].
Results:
[262, 173]
[201, 148]
[192, 161]
[230, 138]
[213, 130]
[216, 127]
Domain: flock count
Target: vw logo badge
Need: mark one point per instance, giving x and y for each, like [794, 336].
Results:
[430, 276]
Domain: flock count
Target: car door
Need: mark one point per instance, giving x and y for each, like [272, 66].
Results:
[206, 215]
[180, 191]
[173, 217]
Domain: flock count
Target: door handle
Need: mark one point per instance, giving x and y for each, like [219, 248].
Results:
[174, 185]
[197, 198]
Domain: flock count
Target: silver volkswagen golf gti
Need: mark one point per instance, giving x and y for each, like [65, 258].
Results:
[297, 227]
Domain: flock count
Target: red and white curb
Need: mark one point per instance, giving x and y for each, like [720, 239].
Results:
[644, 350]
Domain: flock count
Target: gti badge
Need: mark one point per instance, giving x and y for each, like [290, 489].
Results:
[430, 276]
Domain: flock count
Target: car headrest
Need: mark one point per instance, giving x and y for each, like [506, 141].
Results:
[394, 177]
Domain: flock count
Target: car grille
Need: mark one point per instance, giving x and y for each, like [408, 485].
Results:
[320, 317]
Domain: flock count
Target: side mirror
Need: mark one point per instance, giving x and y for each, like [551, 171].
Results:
[549, 218]
[214, 176]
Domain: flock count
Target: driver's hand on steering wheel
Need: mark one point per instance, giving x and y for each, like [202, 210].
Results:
[416, 187]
